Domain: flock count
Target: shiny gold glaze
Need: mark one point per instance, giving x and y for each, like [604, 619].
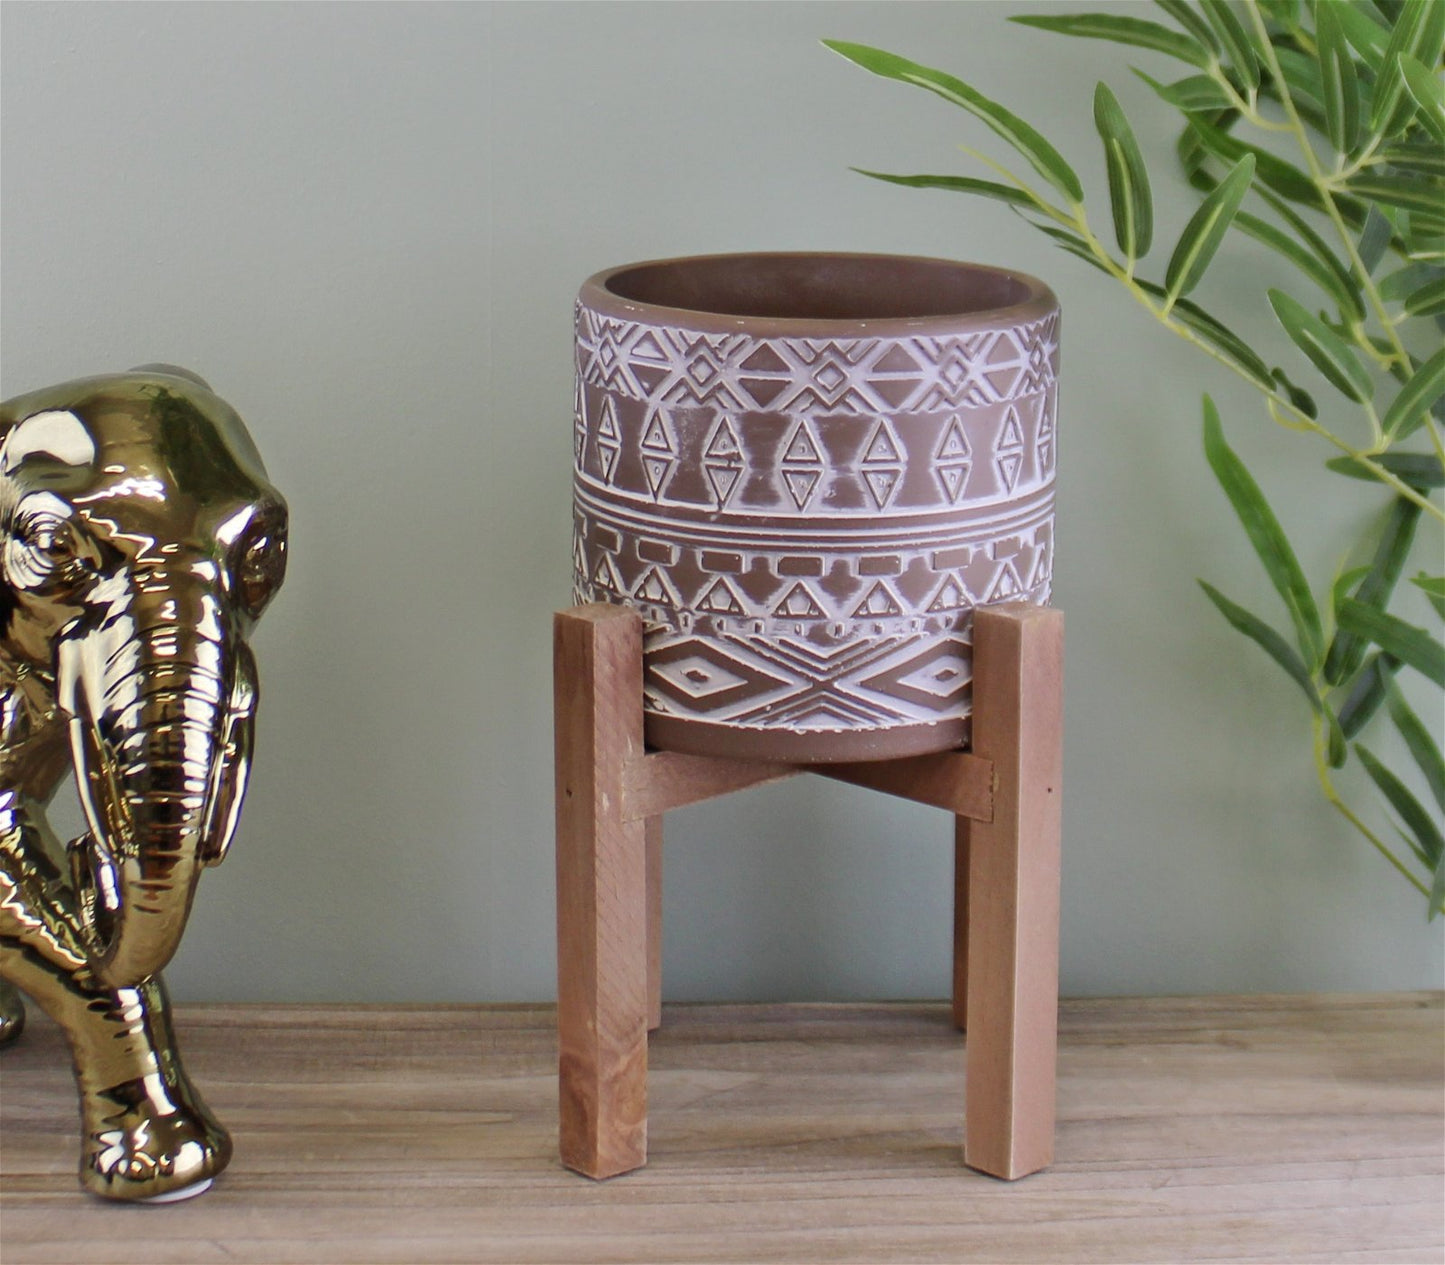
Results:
[141, 542]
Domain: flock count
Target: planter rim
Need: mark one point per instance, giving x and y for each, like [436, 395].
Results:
[1035, 303]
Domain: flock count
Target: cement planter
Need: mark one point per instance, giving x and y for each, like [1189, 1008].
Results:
[805, 471]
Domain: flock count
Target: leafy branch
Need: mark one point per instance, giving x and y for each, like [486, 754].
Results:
[1357, 88]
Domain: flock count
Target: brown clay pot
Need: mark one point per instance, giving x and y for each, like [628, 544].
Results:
[805, 471]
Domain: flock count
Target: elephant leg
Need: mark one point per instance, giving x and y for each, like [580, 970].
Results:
[12, 1014]
[147, 1133]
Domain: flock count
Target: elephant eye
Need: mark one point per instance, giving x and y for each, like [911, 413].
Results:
[56, 548]
[261, 565]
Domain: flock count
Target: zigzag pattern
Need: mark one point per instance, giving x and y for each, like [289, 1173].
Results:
[663, 365]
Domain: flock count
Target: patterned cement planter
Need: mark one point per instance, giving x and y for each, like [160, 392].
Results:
[805, 470]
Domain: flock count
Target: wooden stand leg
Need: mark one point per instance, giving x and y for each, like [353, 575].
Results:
[602, 925]
[1004, 794]
[1013, 893]
[960, 923]
[654, 922]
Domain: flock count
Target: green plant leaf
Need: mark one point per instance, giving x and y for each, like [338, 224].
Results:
[1284, 178]
[1374, 238]
[1328, 352]
[1120, 30]
[1074, 244]
[1344, 582]
[1298, 396]
[1180, 11]
[1347, 649]
[1408, 34]
[1265, 534]
[1205, 231]
[1192, 94]
[1366, 694]
[1427, 300]
[1437, 889]
[1399, 192]
[1428, 94]
[1433, 586]
[1337, 748]
[1285, 12]
[1346, 296]
[1338, 82]
[1193, 154]
[1234, 40]
[1431, 42]
[1043, 157]
[1268, 640]
[1427, 160]
[1422, 825]
[957, 184]
[1129, 196]
[1364, 32]
[1216, 334]
[1223, 340]
[1302, 75]
[1404, 281]
[1408, 410]
[1422, 746]
[1411, 645]
[1421, 470]
[1344, 282]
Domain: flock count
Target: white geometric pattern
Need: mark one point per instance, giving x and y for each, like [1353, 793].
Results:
[807, 523]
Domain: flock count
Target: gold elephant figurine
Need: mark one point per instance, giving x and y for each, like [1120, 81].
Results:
[141, 541]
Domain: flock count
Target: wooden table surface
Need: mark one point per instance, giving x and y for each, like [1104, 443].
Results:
[1210, 1129]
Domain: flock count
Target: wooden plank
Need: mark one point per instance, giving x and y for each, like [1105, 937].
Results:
[957, 781]
[602, 932]
[1281, 1129]
[663, 780]
[1013, 891]
[960, 923]
[653, 827]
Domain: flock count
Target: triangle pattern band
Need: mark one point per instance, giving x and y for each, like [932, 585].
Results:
[799, 603]
[801, 485]
[955, 443]
[724, 443]
[882, 484]
[723, 480]
[657, 469]
[802, 447]
[882, 445]
[655, 436]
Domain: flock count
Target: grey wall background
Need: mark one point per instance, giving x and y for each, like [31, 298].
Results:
[365, 225]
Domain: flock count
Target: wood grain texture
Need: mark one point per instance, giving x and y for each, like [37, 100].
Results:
[654, 829]
[960, 923]
[663, 780]
[957, 781]
[602, 932]
[1013, 890]
[1281, 1129]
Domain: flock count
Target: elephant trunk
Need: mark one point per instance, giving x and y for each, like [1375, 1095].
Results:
[161, 695]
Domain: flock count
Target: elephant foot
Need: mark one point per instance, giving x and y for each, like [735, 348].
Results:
[180, 1196]
[151, 1140]
[12, 1014]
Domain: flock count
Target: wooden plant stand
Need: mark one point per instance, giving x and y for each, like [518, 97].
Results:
[1004, 793]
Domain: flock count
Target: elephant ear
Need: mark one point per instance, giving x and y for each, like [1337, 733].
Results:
[173, 371]
[54, 444]
[49, 450]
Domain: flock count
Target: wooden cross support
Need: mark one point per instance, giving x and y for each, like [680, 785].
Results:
[1004, 794]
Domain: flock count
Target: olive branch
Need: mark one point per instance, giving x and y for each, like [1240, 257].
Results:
[1356, 85]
